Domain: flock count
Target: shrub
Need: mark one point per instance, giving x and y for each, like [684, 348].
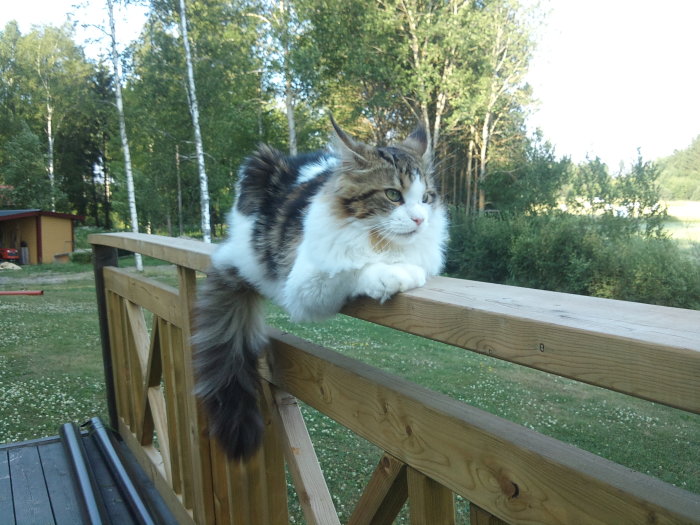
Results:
[81, 257]
[589, 255]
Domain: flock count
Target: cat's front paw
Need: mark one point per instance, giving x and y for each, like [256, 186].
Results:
[381, 281]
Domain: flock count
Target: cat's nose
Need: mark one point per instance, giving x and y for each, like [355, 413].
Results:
[417, 220]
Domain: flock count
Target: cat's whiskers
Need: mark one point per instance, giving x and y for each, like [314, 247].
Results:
[382, 237]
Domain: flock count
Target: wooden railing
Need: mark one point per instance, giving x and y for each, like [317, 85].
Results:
[434, 446]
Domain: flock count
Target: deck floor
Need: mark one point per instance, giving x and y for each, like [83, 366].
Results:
[36, 485]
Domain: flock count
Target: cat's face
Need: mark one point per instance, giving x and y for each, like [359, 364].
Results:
[389, 190]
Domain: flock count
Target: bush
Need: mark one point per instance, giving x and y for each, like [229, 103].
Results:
[479, 248]
[652, 271]
[600, 256]
[81, 257]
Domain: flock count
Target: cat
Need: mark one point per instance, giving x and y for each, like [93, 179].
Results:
[309, 232]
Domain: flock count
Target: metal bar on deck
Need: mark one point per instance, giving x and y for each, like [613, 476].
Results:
[126, 485]
[90, 500]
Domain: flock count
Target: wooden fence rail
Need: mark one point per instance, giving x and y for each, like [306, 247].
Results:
[434, 446]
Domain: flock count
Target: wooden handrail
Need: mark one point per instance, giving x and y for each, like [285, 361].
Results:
[434, 446]
[648, 351]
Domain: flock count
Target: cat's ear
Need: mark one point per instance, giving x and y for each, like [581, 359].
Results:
[352, 152]
[418, 143]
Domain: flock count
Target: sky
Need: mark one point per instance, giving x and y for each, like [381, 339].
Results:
[610, 76]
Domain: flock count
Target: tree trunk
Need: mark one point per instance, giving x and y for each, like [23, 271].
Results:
[483, 158]
[122, 132]
[105, 173]
[469, 175]
[178, 176]
[289, 106]
[50, 167]
[194, 111]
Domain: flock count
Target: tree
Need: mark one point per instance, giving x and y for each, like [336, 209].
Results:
[122, 128]
[45, 85]
[23, 171]
[529, 181]
[236, 110]
[679, 176]
[194, 111]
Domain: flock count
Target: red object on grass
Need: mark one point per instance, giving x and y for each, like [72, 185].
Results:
[23, 292]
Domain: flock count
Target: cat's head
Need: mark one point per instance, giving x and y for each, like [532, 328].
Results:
[390, 189]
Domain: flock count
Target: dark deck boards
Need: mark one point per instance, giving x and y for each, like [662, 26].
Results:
[36, 485]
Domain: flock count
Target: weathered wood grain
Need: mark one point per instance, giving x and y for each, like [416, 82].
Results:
[183, 252]
[7, 507]
[429, 502]
[518, 475]
[478, 516]
[31, 496]
[651, 352]
[315, 500]
[384, 495]
[156, 297]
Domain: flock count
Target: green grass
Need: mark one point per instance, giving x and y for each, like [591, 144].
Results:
[50, 361]
[684, 222]
[51, 373]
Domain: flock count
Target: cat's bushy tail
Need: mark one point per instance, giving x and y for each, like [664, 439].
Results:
[229, 337]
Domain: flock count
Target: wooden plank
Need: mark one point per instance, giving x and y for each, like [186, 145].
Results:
[273, 453]
[117, 346]
[31, 497]
[513, 472]
[254, 492]
[57, 474]
[152, 378]
[139, 333]
[173, 407]
[7, 508]
[178, 388]
[310, 485]
[154, 296]
[652, 352]
[160, 421]
[478, 516]
[384, 496]
[190, 254]
[148, 458]
[103, 256]
[133, 372]
[195, 424]
[223, 489]
[430, 503]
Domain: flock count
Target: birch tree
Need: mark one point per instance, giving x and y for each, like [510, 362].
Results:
[55, 76]
[194, 111]
[122, 129]
[507, 57]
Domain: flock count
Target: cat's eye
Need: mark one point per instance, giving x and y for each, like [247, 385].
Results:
[393, 195]
[428, 197]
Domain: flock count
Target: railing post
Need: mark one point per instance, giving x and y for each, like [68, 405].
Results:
[105, 256]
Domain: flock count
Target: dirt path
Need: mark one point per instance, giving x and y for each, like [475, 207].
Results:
[10, 278]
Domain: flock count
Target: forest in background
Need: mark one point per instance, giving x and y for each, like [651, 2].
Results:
[271, 71]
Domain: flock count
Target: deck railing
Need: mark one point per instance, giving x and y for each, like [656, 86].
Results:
[434, 446]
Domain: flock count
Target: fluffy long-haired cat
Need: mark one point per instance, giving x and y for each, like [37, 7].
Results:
[309, 232]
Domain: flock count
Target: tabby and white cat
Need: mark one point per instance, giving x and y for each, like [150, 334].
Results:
[309, 232]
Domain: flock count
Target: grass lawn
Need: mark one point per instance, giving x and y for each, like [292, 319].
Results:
[684, 221]
[51, 373]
